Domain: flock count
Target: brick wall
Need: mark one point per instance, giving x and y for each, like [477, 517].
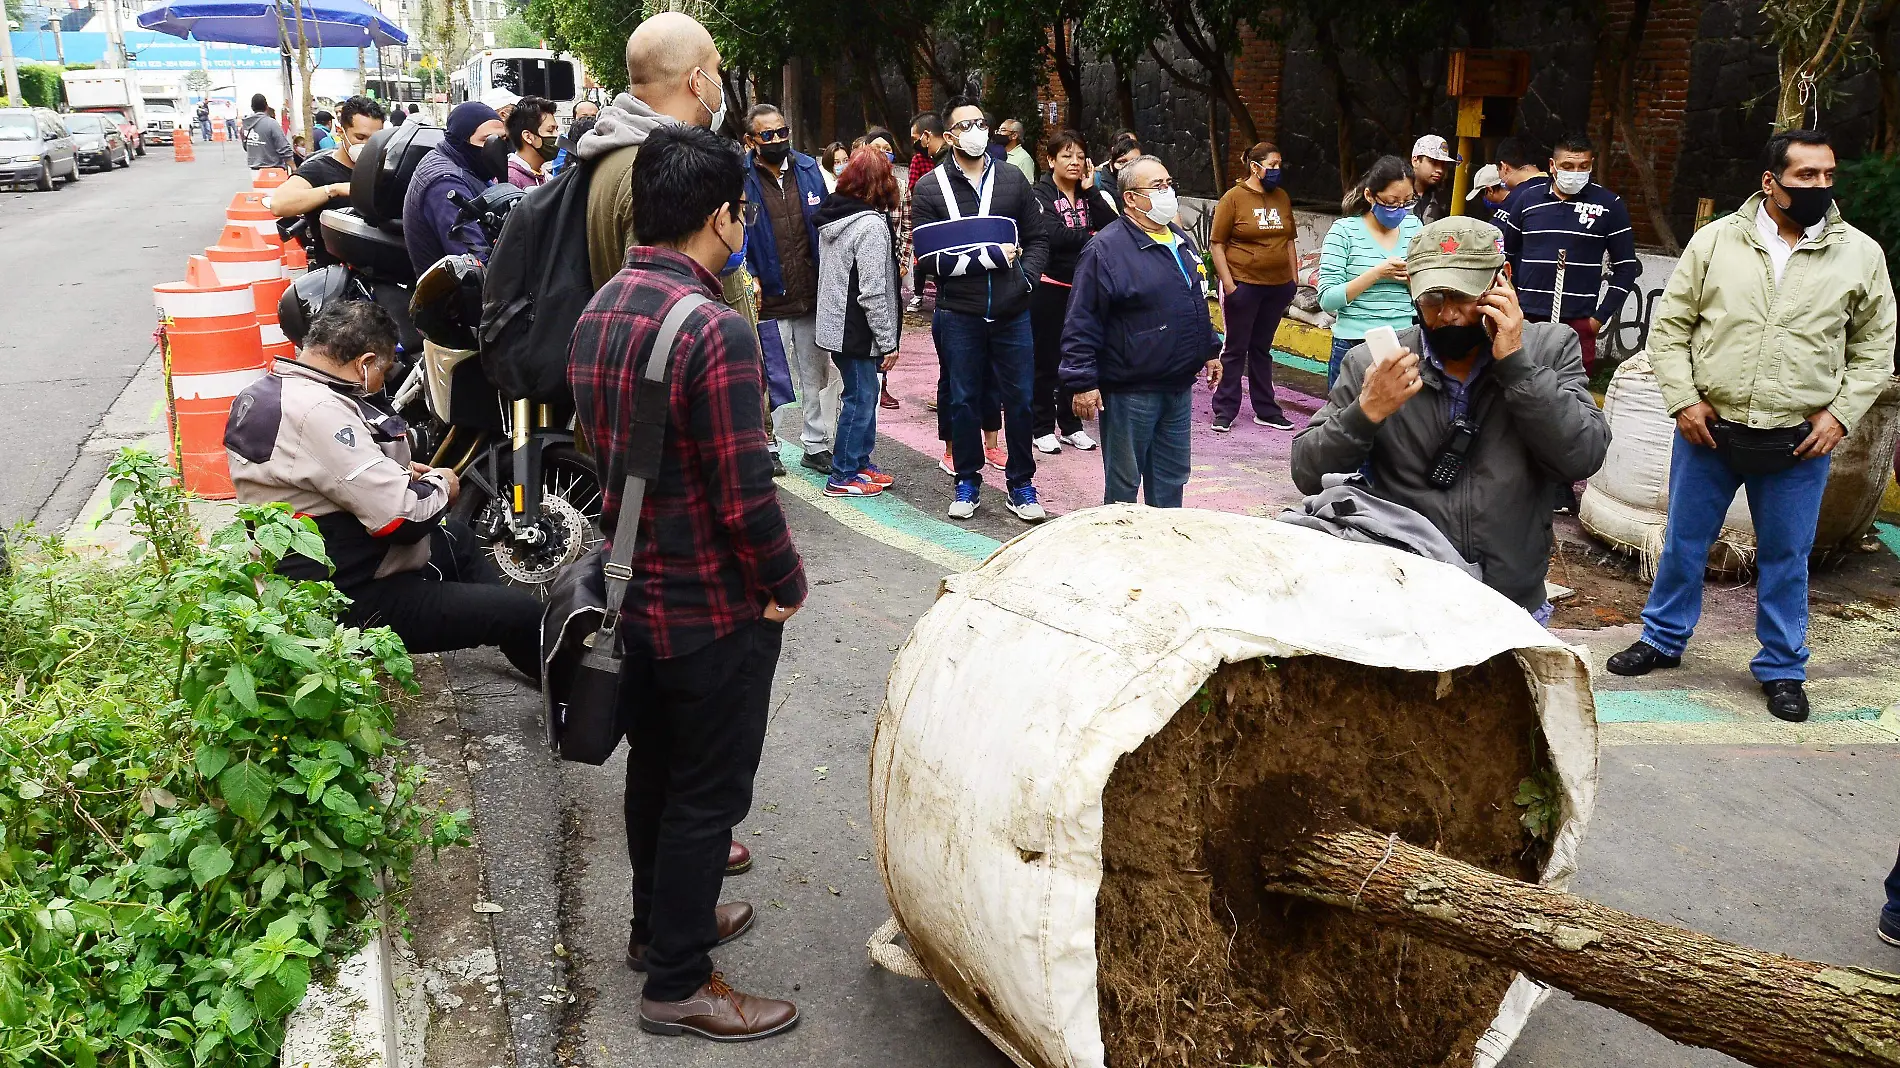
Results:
[1660, 96]
[1051, 92]
[926, 92]
[1257, 71]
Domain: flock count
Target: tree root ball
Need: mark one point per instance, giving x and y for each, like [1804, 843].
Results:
[1199, 966]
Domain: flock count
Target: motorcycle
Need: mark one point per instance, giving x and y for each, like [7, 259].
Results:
[529, 491]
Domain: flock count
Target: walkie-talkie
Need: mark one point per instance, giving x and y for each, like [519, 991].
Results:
[1450, 461]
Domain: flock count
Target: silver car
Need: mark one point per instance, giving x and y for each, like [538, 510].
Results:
[35, 147]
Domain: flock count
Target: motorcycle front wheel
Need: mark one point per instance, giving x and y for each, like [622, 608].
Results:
[567, 527]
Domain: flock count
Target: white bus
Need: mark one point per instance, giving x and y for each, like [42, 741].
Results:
[523, 72]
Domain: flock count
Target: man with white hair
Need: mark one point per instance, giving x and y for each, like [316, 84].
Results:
[1136, 336]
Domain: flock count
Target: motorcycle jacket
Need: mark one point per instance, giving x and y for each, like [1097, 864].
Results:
[309, 439]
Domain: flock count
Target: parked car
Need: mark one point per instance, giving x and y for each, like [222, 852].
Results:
[98, 141]
[35, 147]
[134, 134]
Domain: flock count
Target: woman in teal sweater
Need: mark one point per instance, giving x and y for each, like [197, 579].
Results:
[1362, 265]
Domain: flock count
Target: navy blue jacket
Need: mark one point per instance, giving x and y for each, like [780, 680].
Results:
[1135, 322]
[761, 244]
[430, 228]
[1588, 228]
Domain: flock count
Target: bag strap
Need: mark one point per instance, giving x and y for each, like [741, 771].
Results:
[647, 441]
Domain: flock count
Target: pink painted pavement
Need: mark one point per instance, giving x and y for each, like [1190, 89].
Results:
[1244, 471]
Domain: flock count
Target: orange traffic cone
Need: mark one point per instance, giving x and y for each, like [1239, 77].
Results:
[181, 146]
[213, 349]
[270, 178]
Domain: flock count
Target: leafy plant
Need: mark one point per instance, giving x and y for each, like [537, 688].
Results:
[198, 788]
[1870, 199]
[1541, 797]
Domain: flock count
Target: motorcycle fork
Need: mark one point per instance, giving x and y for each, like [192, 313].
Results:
[527, 418]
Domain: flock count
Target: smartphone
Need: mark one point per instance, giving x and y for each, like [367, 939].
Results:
[1384, 343]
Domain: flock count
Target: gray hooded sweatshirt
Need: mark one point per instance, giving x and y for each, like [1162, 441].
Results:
[855, 247]
[264, 142]
[610, 149]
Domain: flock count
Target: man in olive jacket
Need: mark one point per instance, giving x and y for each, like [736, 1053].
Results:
[1506, 397]
[1774, 337]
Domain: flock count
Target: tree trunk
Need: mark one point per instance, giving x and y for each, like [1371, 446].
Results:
[1887, 76]
[1620, 127]
[1067, 58]
[1342, 100]
[1760, 1008]
[1124, 95]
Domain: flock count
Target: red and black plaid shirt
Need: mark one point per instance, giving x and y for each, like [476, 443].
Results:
[713, 549]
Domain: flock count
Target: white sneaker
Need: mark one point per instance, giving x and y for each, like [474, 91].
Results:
[1080, 439]
[1048, 443]
[916, 304]
[1279, 423]
[965, 505]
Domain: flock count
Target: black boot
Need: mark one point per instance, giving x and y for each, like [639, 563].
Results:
[1787, 699]
[1641, 659]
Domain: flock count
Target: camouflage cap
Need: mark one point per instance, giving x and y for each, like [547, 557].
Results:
[1460, 253]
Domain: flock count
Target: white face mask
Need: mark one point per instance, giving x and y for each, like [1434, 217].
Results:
[1570, 183]
[1163, 206]
[718, 114]
[356, 151]
[974, 142]
[838, 169]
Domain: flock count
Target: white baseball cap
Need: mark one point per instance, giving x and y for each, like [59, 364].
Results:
[1486, 178]
[1432, 146]
[499, 98]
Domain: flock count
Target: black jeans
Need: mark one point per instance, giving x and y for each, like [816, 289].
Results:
[695, 728]
[456, 602]
[1052, 404]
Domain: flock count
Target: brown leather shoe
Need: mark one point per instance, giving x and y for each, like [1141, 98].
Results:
[720, 1013]
[734, 919]
[738, 860]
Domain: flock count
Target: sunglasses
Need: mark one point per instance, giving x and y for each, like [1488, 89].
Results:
[969, 124]
[767, 137]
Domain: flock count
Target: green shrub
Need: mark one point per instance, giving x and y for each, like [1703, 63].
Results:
[39, 84]
[1870, 199]
[198, 787]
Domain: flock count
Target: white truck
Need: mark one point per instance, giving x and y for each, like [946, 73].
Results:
[167, 107]
[110, 91]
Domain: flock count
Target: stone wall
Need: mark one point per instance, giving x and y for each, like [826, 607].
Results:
[1171, 121]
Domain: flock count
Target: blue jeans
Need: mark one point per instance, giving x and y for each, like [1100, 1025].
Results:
[1145, 444]
[857, 418]
[1341, 346]
[968, 346]
[1891, 912]
[1785, 508]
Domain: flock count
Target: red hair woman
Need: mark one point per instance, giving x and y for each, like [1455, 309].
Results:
[859, 315]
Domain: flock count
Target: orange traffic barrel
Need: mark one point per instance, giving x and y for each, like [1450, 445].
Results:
[296, 260]
[242, 256]
[213, 349]
[270, 178]
[253, 210]
[265, 294]
[181, 146]
[217, 131]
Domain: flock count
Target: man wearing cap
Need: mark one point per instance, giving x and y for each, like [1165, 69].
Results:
[1773, 339]
[1487, 184]
[1431, 158]
[1557, 235]
[502, 100]
[1507, 413]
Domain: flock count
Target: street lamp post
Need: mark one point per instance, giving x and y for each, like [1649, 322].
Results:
[6, 60]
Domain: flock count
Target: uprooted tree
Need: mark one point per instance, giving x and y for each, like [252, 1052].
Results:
[1760, 1008]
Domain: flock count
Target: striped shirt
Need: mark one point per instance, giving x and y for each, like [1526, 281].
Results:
[1583, 231]
[1349, 252]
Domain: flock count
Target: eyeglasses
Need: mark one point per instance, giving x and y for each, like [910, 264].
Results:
[969, 124]
[1406, 203]
[1165, 183]
[766, 137]
[748, 212]
[1439, 298]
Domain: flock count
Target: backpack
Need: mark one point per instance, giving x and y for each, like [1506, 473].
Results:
[539, 281]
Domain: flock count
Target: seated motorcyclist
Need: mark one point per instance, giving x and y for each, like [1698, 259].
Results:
[473, 153]
[309, 436]
[323, 182]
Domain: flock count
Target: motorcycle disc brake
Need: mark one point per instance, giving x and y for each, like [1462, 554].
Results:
[533, 565]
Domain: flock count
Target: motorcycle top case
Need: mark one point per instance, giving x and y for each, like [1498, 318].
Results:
[539, 281]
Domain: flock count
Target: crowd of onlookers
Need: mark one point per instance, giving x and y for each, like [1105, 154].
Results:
[1458, 415]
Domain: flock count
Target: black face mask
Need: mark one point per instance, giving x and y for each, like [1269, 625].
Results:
[774, 152]
[494, 157]
[1807, 205]
[917, 149]
[1456, 342]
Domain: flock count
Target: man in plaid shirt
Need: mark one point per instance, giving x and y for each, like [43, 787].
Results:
[715, 576]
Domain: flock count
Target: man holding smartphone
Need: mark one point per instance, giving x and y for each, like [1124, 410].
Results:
[1507, 413]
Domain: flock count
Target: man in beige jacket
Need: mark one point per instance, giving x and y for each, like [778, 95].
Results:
[1775, 336]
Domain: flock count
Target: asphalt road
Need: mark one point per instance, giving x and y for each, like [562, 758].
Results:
[1782, 847]
[76, 314]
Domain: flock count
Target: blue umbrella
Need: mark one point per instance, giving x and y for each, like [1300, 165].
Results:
[279, 24]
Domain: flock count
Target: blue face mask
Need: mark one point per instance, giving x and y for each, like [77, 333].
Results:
[1388, 217]
[737, 259]
[1270, 177]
